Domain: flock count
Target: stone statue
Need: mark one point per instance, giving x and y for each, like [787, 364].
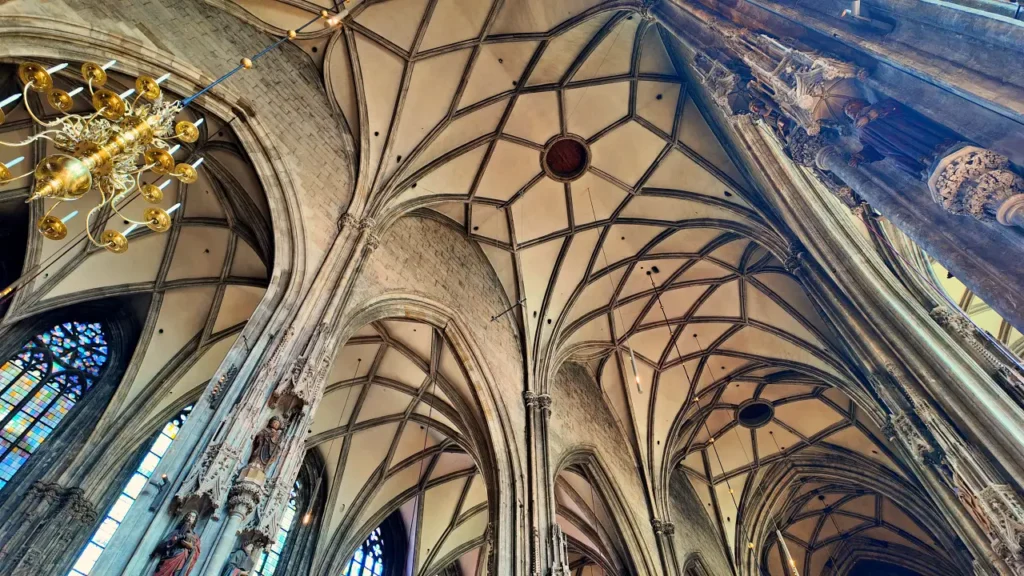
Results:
[888, 129]
[266, 445]
[240, 562]
[179, 552]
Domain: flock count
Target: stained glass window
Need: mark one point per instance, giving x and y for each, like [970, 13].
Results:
[41, 384]
[129, 493]
[269, 559]
[369, 559]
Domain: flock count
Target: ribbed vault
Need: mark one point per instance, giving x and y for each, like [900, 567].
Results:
[395, 429]
[198, 283]
[659, 246]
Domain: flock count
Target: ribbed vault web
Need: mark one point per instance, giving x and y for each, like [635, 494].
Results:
[660, 246]
[393, 430]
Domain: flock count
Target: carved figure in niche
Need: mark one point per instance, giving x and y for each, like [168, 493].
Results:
[240, 562]
[888, 129]
[772, 116]
[179, 552]
[266, 445]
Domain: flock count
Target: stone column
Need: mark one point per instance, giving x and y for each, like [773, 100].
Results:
[542, 497]
[66, 510]
[664, 535]
[978, 258]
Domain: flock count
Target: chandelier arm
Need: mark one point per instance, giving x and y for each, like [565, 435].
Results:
[31, 140]
[55, 204]
[28, 108]
[113, 206]
[88, 225]
[15, 179]
[91, 91]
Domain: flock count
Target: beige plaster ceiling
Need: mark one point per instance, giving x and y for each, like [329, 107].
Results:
[204, 277]
[589, 528]
[660, 247]
[392, 429]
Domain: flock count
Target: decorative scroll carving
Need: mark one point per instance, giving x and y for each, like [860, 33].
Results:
[805, 149]
[208, 482]
[981, 183]
[347, 220]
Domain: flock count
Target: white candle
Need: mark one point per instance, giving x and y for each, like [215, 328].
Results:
[76, 92]
[173, 208]
[197, 163]
[127, 93]
[164, 185]
[15, 162]
[10, 99]
[57, 68]
[69, 217]
[131, 229]
[174, 149]
[162, 78]
[199, 122]
[109, 64]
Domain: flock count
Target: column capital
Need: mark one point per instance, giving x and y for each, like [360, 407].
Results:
[347, 220]
[809, 149]
[980, 183]
[534, 401]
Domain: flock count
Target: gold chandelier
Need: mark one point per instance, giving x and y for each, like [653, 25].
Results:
[110, 149]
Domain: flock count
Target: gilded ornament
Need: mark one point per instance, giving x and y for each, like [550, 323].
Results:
[292, 34]
[186, 131]
[62, 177]
[94, 73]
[161, 160]
[109, 105]
[186, 173]
[52, 227]
[5, 173]
[59, 100]
[152, 194]
[35, 76]
[147, 88]
[157, 219]
[246, 63]
[114, 241]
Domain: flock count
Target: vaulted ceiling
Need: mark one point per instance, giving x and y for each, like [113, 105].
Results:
[394, 431]
[658, 250]
[196, 285]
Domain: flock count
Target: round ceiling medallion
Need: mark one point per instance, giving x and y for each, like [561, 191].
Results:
[754, 413]
[565, 158]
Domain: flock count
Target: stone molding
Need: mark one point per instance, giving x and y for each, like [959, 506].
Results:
[247, 492]
[980, 183]
[1005, 514]
[536, 401]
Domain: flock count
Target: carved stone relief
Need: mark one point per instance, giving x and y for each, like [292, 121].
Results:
[981, 183]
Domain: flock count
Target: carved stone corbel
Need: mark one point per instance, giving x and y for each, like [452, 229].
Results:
[1005, 514]
[981, 183]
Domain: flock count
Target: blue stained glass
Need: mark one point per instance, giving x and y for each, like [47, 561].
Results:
[270, 559]
[369, 558]
[40, 384]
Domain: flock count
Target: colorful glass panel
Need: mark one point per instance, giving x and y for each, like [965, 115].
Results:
[136, 484]
[40, 384]
[369, 559]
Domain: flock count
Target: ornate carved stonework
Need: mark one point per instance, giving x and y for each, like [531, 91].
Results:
[805, 148]
[347, 220]
[725, 86]
[222, 383]
[560, 565]
[1006, 515]
[979, 182]
[209, 481]
[537, 401]
[247, 492]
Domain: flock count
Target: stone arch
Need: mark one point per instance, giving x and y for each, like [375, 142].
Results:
[489, 440]
[116, 439]
[695, 566]
[854, 509]
[620, 547]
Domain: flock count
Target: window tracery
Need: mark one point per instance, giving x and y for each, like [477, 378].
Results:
[130, 492]
[41, 383]
[369, 558]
